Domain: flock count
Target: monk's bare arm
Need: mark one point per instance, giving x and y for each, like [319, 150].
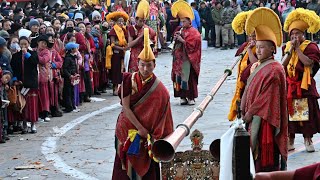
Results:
[303, 58]
[252, 57]
[132, 118]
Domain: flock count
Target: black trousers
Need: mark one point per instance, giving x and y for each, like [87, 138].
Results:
[68, 95]
[87, 83]
[210, 29]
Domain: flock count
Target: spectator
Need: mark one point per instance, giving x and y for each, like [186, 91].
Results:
[250, 6]
[227, 16]
[216, 16]
[196, 22]
[287, 11]
[208, 23]
[168, 18]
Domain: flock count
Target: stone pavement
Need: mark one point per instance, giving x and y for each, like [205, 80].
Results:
[81, 145]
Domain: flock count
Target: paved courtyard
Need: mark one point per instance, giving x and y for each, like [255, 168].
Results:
[81, 145]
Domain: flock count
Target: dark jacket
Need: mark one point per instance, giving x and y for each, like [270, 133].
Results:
[30, 76]
[69, 66]
[205, 14]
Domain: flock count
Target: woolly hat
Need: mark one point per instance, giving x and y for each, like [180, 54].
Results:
[239, 22]
[34, 22]
[182, 9]
[143, 10]
[146, 54]
[4, 34]
[3, 42]
[78, 16]
[24, 33]
[266, 24]
[71, 45]
[303, 20]
[116, 15]
[95, 13]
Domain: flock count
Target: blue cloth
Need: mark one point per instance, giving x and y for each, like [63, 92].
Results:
[53, 65]
[196, 21]
[27, 55]
[135, 146]
[71, 45]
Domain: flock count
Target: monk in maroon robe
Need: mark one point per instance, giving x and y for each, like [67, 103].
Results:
[146, 111]
[135, 40]
[264, 102]
[301, 65]
[186, 62]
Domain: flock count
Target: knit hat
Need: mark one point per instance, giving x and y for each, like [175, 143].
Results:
[146, 54]
[266, 24]
[71, 45]
[4, 34]
[3, 42]
[78, 16]
[34, 22]
[95, 13]
[24, 33]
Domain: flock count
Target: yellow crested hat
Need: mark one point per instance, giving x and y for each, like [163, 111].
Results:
[143, 9]
[182, 9]
[302, 19]
[266, 24]
[146, 54]
[239, 22]
[116, 15]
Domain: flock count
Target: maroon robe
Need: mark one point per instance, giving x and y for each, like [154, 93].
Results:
[311, 172]
[56, 78]
[154, 114]
[135, 32]
[116, 61]
[190, 51]
[265, 96]
[312, 126]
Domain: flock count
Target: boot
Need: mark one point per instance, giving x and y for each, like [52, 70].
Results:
[232, 46]
[86, 98]
[24, 128]
[96, 92]
[225, 47]
[291, 144]
[309, 145]
[2, 139]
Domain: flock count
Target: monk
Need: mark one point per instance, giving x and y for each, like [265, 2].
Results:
[135, 34]
[186, 55]
[301, 65]
[264, 103]
[146, 116]
[247, 55]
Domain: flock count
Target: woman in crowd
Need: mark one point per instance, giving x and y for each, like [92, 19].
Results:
[25, 74]
[44, 77]
[87, 57]
[55, 78]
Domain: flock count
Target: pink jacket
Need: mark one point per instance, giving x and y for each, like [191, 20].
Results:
[44, 56]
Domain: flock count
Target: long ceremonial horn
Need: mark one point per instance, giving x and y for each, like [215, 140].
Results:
[164, 149]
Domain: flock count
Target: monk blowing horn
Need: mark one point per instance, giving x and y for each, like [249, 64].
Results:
[164, 149]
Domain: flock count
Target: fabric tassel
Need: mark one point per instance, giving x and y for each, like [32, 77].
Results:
[135, 146]
[267, 145]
